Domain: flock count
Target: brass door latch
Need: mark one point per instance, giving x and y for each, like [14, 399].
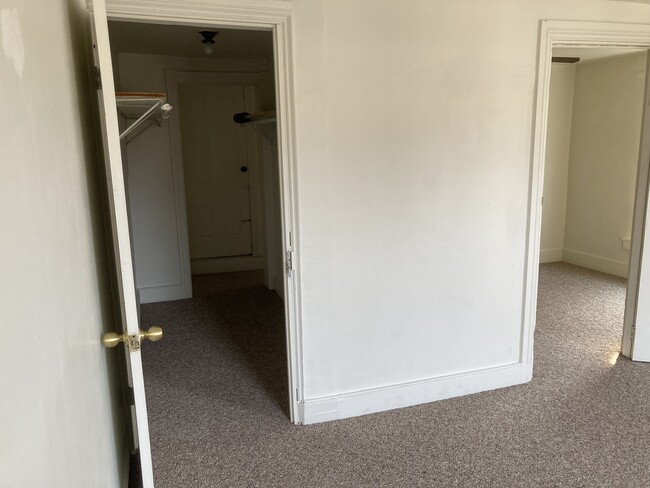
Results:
[112, 339]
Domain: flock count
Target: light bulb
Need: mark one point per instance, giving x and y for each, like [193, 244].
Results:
[208, 49]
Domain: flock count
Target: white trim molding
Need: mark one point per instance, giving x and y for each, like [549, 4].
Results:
[412, 393]
[574, 34]
[263, 14]
[598, 263]
[275, 16]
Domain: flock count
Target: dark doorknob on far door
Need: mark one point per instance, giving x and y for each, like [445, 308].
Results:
[244, 169]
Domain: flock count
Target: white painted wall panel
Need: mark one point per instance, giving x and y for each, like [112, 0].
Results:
[607, 111]
[414, 127]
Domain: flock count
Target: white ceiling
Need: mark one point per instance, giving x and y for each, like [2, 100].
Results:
[181, 40]
[591, 53]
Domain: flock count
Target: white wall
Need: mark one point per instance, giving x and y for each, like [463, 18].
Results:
[60, 420]
[414, 134]
[150, 174]
[556, 167]
[607, 111]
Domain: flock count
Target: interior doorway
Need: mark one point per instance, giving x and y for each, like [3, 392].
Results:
[635, 342]
[595, 114]
[204, 190]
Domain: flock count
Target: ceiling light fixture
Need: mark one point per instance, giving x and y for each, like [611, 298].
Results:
[208, 41]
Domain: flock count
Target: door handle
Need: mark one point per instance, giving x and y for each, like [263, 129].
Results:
[112, 339]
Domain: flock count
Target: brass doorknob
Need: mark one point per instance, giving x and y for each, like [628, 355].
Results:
[112, 339]
[154, 334]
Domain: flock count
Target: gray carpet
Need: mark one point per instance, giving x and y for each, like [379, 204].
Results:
[217, 391]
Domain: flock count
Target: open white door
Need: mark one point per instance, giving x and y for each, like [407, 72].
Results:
[130, 335]
[636, 329]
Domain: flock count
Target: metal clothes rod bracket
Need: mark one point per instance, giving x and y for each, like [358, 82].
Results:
[154, 104]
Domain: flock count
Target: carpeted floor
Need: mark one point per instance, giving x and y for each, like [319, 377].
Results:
[216, 388]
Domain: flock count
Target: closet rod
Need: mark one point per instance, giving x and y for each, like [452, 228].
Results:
[261, 117]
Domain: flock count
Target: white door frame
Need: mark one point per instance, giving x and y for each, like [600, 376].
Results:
[274, 15]
[577, 34]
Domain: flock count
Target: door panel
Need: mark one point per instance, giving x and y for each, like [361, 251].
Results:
[215, 162]
[120, 229]
[636, 329]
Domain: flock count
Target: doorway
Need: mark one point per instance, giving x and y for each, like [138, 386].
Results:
[230, 178]
[636, 327]
[593, 135]
[215, 16]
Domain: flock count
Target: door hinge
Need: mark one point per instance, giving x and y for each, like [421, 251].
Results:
[98, 79]
[289, 263]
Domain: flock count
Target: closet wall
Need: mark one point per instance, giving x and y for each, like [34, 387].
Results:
[155, 215]
[600, 170]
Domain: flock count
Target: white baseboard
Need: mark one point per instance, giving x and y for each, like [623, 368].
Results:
[227, 265]
[413, 393]
[550, 256]
[164, 293]
[598, 263]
